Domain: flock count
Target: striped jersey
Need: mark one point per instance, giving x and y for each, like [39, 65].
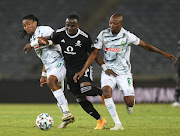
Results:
[50, 56]
[75, 48]
[116, 49]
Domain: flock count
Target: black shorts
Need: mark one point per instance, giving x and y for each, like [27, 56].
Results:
[75, 87]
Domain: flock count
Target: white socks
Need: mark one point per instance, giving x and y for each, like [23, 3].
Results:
[112, 110]
[62, 102]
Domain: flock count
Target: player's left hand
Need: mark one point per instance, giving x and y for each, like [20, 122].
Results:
[43, 80]
[110, 72]
[77, 76]
[42, 41]
[169, 56]
[27, 48]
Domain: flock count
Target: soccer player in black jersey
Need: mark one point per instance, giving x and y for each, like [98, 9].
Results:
[76, 47]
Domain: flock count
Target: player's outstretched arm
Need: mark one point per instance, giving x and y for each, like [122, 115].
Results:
[154, 49]
[39, 41]
[89, 61]
[99, 59]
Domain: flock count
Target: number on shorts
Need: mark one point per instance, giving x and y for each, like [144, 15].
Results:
[89, 73]
[86, 73]
[129, 80]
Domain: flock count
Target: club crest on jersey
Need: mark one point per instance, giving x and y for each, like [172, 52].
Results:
[123, 42]
[78, 43]
[113, 49]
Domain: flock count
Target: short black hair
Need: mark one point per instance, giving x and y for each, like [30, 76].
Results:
[30, 16]
[73, 16]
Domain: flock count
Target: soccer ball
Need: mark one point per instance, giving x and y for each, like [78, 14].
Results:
[44, 121]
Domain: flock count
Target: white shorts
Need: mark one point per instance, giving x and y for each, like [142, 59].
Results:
[123, 82]
[59, 72]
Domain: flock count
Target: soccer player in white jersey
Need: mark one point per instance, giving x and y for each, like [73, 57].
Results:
[115, 42]
[54, 70]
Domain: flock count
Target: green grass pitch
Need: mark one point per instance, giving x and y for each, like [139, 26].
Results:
[147, 120]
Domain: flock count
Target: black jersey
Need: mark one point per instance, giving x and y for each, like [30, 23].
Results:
[75, 48]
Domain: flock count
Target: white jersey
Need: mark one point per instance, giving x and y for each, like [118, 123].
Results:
[50, 55]
[116, 49]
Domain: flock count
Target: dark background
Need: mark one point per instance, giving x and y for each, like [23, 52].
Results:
[155, 22]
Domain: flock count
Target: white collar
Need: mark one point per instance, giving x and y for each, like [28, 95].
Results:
[73, 35]
[36, 31]
[120, 34]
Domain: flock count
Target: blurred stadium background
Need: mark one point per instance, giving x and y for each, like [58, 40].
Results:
[155, 22]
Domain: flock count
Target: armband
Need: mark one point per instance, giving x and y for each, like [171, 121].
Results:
[104, 67]
[34, 43]
[50, 42]
[44, 74]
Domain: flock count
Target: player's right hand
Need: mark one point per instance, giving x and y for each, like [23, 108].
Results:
[169, 56]
[43, 81]
[42, 41]
[77, 76]
[27, 48]
[110, 72]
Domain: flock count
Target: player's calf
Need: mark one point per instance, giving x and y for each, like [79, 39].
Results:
[130, 102]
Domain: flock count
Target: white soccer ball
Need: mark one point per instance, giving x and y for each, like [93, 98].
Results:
[44, 121]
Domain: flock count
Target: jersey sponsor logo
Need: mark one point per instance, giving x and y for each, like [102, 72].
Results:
[113, 49]
[78, 43]
[69, 50]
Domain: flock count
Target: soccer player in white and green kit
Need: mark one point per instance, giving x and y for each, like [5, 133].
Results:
[54, 70]
[115, 43]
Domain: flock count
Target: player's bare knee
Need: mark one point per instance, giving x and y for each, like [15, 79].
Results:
[107, 92]
[52, 84]
[52, 80]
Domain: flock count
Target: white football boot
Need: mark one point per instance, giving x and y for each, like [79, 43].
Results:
[129, 109]
[117, 127]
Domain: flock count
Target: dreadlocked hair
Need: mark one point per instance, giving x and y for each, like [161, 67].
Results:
[31, 16]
